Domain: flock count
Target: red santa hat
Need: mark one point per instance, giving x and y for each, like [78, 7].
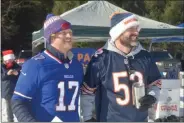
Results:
[8, 55]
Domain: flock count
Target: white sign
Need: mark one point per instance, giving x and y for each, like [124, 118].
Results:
[169, 100]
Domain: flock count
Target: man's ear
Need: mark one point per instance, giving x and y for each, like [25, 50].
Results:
[52, 37]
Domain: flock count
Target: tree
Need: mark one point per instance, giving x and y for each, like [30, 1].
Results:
[63, 6]
[19, 19]
[155, 8]
[10, 8]
[173, 12]
[167, 11]
[134, 6]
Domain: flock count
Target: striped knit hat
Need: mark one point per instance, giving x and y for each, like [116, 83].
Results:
[54, 24]
[120, 22]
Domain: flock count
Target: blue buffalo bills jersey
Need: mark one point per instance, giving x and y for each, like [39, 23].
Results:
[110, 75]
[51, 86]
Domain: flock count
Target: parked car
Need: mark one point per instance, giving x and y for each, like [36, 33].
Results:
[23, 56]
[164, 60]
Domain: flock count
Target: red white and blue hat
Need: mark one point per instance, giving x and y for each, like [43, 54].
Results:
[54, 24]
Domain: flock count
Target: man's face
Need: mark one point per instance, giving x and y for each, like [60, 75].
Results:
[9, 63]
[129, 37]
[63, 40]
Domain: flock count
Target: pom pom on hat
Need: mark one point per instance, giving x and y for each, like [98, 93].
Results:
[120, 22]
[54, 24]
[49, 15]
[8, 55]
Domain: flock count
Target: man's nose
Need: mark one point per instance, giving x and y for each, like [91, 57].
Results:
[136, 32]
[68, 35]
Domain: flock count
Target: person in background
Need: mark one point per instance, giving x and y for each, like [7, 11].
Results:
[9, 74]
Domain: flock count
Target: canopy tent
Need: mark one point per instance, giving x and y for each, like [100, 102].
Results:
[170, 39]
[181, 25]
[90, 22]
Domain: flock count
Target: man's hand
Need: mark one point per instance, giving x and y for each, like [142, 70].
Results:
[12, 72]
[91, 120]
[146, 102]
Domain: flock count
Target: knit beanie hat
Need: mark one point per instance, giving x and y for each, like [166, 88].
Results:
[120, 22]
[54, 24]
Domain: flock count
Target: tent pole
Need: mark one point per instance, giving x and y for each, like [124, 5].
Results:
[150, 46]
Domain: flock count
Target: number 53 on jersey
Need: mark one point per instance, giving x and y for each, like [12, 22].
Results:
[123, 87]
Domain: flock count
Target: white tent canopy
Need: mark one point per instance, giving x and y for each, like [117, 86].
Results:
[91, 22]
[97, 13]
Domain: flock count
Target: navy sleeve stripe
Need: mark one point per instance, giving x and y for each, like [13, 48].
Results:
[88, 88]
[84, 93]
[17, 93]
[84, 87]
[84, 90]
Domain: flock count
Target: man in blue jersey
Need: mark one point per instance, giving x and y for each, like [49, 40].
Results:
[114, 69]
[49, 84]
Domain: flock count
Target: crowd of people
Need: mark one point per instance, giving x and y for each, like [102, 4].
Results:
[48, 87]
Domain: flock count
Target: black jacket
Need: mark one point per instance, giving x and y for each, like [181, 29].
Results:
[8, 82]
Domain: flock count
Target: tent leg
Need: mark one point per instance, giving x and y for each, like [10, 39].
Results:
[150, 46]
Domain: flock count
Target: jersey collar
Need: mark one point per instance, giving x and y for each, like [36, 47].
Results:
[57, 56]
[111, 46]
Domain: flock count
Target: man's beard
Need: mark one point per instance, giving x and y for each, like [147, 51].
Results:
[133, 44]
[129, 42]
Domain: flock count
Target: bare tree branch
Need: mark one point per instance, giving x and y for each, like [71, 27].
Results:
[9, 12]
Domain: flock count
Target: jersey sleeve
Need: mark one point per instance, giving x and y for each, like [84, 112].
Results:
[27, 82]
[154, 75]
[93, 75]
[91, 82]
[81, 70]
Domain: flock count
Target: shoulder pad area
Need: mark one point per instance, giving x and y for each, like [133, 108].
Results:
[38, 57]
